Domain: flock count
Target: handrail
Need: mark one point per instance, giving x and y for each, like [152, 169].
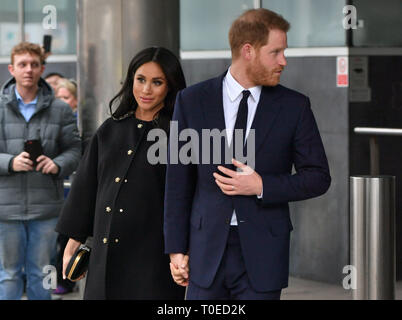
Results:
[374, 147]
[378, 131]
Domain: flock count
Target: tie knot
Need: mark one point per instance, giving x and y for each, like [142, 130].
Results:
[246, 93]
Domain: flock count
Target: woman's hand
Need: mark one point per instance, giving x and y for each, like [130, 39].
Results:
[71, 247]
[179, 268]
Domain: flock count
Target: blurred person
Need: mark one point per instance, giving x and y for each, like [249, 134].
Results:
[117, 195]
[53, 79]
[31, 189]
[227, 225]
[66, 90]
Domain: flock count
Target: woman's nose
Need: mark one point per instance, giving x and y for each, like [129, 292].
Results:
[146, 88]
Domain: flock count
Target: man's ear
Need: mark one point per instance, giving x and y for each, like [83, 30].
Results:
[247, 51]
[42, 69]
[11, 69]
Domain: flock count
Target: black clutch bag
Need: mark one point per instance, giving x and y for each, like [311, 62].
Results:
[78, 263]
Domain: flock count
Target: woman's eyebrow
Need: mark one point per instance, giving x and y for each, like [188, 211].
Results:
[156, 78]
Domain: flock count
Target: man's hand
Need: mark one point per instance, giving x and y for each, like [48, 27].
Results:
[46, 165]
[179, 268]
[246, 183]
[22, 162]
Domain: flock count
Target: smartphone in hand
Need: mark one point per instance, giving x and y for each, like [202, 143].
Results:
[47, 43]
[34, 148]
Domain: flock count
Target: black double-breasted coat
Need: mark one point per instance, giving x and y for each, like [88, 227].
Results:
[117, 198]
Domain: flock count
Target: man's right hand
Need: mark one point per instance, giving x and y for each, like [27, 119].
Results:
[179, 268]
[22, 162]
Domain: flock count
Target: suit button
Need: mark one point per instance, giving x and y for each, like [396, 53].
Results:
[130, 152]
[139, 126]
[125, 180]
[108, 209]
[121, 210]
[104, 240]
[116, 240]
[117, 179]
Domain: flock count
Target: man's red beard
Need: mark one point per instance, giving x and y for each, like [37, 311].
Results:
[261, 76]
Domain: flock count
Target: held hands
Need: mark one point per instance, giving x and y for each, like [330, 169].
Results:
[246, 183]
[71, 246]
[179, 268]
[23, 163]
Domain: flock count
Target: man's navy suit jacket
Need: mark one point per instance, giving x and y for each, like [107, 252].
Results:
[197, 213]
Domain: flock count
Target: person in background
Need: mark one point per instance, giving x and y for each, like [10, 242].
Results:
[66, 90]
[53, 79]
[117, 193]
[31, 188]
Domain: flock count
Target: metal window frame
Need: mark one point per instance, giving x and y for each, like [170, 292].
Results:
[54, 58]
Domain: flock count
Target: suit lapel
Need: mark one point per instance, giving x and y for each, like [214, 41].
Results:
[267, 110]
[214, 117]
[213, 104]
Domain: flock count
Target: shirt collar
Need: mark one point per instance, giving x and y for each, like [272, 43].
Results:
[19, 98]
[235, 89]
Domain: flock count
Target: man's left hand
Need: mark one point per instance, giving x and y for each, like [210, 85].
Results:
[46, 165]
[246, 183]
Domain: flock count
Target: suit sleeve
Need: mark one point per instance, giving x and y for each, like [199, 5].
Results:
[179, 191]
[77, 216]
[312, 177]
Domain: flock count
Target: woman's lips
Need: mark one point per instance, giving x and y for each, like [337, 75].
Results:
[146, 100]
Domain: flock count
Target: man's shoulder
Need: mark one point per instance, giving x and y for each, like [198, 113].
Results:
[201, 87]
[290, 93]
[57, 103]
[59, 106]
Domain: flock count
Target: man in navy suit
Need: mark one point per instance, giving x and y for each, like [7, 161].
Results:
[227, 227]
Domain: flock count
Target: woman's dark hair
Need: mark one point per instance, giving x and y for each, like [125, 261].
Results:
[173, 72]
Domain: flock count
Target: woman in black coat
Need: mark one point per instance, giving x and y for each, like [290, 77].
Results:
[117, 194]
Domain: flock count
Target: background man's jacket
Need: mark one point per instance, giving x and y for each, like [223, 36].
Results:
[34, 195]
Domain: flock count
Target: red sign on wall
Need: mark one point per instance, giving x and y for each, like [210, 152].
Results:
[342, 72]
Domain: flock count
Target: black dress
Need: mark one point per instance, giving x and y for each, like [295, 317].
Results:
[117, 197]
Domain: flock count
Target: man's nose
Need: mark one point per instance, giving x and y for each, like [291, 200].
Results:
[282, 60]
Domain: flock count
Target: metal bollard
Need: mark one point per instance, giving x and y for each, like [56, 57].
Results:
[372, 243]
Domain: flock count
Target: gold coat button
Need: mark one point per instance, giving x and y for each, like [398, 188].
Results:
[104, 240]
[117, 179]
[139, 126]
[108, 209]
[116, 240]
[129, 152]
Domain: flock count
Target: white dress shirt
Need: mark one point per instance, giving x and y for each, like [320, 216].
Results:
[232, 95]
